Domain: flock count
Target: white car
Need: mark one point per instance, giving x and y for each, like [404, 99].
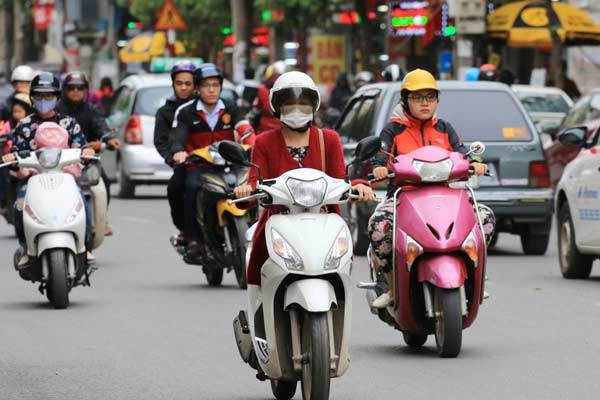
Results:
[577, 203]
[544, 105]
[132, 114]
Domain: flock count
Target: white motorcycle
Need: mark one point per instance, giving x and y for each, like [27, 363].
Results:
[298, 322]
[54, 222]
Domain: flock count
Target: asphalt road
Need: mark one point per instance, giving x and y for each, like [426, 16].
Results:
[149, 328]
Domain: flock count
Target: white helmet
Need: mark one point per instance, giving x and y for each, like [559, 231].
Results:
[22, 73]
[276, 69]
[294, 84]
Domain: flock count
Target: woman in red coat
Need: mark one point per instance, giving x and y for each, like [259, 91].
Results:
[296, 144]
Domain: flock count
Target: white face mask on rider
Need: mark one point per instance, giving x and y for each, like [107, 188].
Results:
[296, 116]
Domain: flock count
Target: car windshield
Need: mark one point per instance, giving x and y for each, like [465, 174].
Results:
[543, 102]
[149, 100]
[484, 115]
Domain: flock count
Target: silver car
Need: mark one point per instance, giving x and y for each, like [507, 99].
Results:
[132, 115]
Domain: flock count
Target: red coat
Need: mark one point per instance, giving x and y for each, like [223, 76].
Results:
[271, 154]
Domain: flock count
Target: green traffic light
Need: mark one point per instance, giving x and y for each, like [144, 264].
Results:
[450, 31]
[131, 25]
[226, 31]
[266, 15]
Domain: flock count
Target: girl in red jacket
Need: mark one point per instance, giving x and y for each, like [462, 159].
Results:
[294, 99]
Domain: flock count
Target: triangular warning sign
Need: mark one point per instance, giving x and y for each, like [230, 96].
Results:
[169, 17]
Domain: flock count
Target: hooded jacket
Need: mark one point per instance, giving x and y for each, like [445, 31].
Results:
[162, 127]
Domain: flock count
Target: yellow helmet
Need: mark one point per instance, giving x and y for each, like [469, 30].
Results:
[419, 79]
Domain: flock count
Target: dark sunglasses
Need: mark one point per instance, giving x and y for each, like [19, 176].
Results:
[76, 87]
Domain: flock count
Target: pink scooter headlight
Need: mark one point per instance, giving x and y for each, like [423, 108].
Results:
[433, 172]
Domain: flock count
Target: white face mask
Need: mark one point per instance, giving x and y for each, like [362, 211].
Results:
[296, 116]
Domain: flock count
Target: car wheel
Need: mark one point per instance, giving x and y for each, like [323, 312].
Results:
[535, 245]
[573, 264]
[127, 187]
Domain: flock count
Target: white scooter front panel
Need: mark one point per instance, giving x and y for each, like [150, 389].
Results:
[306, 233]
[53, 203]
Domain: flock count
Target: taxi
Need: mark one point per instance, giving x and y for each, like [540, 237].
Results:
[577, 201]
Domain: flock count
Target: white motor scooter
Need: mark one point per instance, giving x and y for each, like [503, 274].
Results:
[298, 322]
[54, 223]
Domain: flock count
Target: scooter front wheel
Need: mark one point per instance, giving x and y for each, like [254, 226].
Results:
[317, 360]
[448, 322]
[57, 289]
[283, 390]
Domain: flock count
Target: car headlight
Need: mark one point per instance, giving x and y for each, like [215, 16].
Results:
[469, 246]
[49, 158]
[337, 251]
[75, 212]
[413, 250]
[284, 250]
[217, 159]
[433, 172]
[307, 193]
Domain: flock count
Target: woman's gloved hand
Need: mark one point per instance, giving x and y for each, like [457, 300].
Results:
[365, 193]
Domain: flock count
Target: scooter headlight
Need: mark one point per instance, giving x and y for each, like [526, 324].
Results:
[433, 172]
[307, 193]
[284, 250]
[49, 158]
[413, 250]
[217, 159]
[338, 250]
[76, 210]
[32, 214]
[469, 246]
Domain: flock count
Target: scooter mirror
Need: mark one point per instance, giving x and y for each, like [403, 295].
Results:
[477, 148]
[234, 153]
[367, 148]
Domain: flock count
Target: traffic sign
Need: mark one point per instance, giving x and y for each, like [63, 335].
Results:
[169, 17]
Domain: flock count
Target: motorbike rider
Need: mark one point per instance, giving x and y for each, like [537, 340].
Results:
[182, 78]
[392, 73]
[261, 116]
[412, 126]
[296, 143]
[21, 80]
[45, 92]
[73, 102]
[363, 78]
[197, 124]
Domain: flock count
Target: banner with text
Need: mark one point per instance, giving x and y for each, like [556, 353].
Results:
[328, 57]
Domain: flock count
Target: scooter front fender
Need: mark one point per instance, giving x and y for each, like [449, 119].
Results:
[56, 240]
[444, 271]
[314, 295]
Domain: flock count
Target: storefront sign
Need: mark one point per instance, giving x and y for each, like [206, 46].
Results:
[42, 14]
[470, 17]
[408, 18]
[328, 58]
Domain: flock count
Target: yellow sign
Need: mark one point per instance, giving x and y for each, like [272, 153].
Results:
[514, 133]
[328, 57]
[535, 16]
[169, 18]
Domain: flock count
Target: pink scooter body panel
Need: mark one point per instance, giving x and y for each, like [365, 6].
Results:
[444, 271]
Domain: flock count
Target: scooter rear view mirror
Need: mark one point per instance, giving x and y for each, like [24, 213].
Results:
[476, 148]
[234, 153]
[367, 148]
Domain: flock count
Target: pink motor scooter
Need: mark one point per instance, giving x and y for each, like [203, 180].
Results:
[439, 249]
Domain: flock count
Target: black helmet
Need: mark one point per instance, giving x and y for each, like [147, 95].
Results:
[45, 82]
[76, 78]
[207, 70]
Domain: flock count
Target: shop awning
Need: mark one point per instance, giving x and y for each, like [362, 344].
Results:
[144, 46]
[529, 24]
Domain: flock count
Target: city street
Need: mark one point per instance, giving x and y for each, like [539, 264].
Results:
[149, 328]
